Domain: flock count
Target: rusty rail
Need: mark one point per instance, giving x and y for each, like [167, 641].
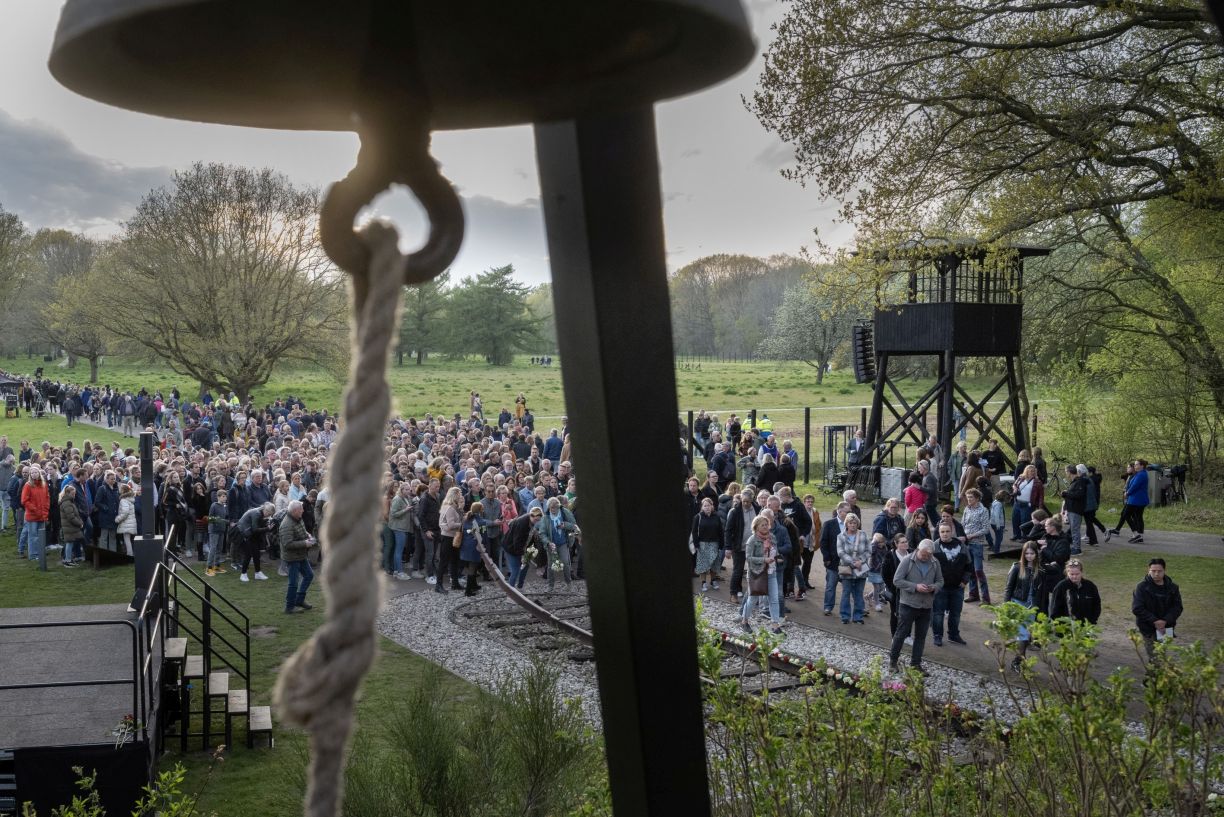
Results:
[516, 596]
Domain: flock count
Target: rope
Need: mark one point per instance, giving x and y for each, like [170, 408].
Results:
[317, 686]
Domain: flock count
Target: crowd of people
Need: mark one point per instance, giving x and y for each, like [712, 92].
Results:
[918, 555]
[234, 483]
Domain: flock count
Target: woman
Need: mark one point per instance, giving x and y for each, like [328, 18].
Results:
[400, 523]
[296, 490]
[707, 535]
[853, 552]
[125, 519]
[970, 475]
[1022, 583]
[1040, 464]
[901, 549]
[761, 562]
[1028, 493]
[1053, 556]
[473, 526]
[1023, 460]
[810, 546]
[769, 473]
[175, 511]
[956, 462]
[1075, 597]
[386, 537]
[72, 528]
[976, 521]
[281, 499]
[450, 521]
[919, 528]
[199, 504]
[520, 407]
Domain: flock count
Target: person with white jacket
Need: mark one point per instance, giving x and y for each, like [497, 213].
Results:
[125, 519]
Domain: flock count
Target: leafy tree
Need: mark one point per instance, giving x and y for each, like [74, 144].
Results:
[810, 325]
[540, 304]
[221, 275]
[14, 254]
[1050, 122]
[488, 316]
[60, 260]
[423, 323]
[72, 321]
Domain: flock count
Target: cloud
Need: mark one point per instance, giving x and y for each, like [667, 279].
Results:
[776, 156]
[48, 182]
[690, 153]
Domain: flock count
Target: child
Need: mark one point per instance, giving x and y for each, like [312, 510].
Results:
[218, 526]
[914, 496]
[875, 563]
[997, 522]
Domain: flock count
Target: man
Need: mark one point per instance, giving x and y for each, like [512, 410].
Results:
[557, 528]
[520, 532]
[955, 567]
[701, 432]
[856, 449]
[429, 523]
[735, 536]
[5, 449]
[1075, 503]
[1157, 605]
[8, 467]
[829, 531]
[937, 459]
[993, 456]
[723, 467]
[295, 544]
[890, 522]
[918, 579]
[552, 446]
[850, 497]
[106, 505]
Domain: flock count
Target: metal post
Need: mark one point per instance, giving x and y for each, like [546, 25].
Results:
[148, 509]
[807, 443]
[692, 447]
[947, 367]
[599, 182]
[752, 418]
[863, 418]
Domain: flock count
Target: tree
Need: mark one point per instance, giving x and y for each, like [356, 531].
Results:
[72, 320]
[809, 326]
[59, 263]
[423, 323]
[14, 254]
[1052, 122]
[488, 315]
[540, 304]
[221, 275]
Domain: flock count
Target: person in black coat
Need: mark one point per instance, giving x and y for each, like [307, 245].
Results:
[892, 560]
[829, 531]
[955, 566]
[1075, 597]
[1157, 605]
[735, 533]
[1054, 554]
[519, 533]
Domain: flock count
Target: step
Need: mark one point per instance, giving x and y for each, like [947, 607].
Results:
[218, 684]
[261, 719]
[8, 783]
[194, 667]
[236, 702]
[176, 649]
[8, 805]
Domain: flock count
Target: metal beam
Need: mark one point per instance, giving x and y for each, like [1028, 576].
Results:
[599, 181]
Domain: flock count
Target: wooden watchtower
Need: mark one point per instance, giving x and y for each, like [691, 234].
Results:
[952, 300]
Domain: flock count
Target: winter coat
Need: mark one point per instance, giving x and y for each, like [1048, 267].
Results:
[1156, 602]
[707, 529]
[36, 500]
[473, 527]
[1076, 495]
[106, 505]
[1137, 489]
[956, 570]
[125, 519]
[907, 577]
[518, 534]
[72, 527]
[1022, 585]
[1082, 603]
[400, 517]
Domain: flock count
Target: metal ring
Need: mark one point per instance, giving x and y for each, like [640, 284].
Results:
[378, 167]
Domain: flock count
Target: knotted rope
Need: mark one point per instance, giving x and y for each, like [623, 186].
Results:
[316, 687]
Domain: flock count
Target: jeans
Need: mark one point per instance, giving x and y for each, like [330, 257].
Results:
[34, 534]
[949, 601]
[517, 569]
[977, 579]
[68, 417]
[831, 580]
[388, 549]
[295, 595]
[108, 539]
[1022, 512]
[1073, 524]
[562, 553]
[216, 549]
[775, 601]
[397, 556]
[997, 545]
[4, 509]
[852, 587]
[918, 618]
[22, 533]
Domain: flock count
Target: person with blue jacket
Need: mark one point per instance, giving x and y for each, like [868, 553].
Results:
[1135, 500]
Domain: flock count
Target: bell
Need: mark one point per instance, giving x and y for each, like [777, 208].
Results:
[308, 64]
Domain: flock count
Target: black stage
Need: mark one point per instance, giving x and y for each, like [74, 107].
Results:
[72, 715]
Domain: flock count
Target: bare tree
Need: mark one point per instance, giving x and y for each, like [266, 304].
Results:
[222, 276]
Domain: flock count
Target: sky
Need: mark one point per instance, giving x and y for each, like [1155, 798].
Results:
[66, 161]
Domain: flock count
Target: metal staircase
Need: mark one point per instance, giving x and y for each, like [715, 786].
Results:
[206, 661]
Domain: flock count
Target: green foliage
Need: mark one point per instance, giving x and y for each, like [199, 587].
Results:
[520, 750]
[163, 797]
[488, 315]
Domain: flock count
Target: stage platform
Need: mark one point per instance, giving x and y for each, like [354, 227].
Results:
[71, 715]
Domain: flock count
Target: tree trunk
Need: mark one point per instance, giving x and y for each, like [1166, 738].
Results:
[93, 369]
[420, 356]
[399, 357]
[72, 361]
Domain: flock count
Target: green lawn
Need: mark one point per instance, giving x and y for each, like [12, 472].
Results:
[249, 782]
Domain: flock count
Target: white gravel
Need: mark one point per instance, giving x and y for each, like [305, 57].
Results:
[421, 622]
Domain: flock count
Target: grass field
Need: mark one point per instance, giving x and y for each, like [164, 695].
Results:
[249, 782]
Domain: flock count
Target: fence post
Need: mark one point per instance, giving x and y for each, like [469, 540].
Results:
[863, 419]
[692, 447]
[807, 443]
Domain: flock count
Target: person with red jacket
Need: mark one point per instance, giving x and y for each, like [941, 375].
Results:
[36, 501]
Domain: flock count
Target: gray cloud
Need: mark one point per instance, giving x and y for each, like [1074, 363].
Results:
[48, 182]
[690, 153]
[776, 156]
